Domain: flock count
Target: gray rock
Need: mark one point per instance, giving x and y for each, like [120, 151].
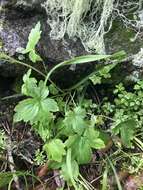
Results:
[123, 38]
[18, 20]
[25, 4]
[16, 27]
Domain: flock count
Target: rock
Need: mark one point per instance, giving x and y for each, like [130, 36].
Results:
[24, 4]
[123, 38]
[18, 20]
[16, 27]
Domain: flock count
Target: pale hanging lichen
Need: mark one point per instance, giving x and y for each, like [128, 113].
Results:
[90, 20]
[85, 19]
[92, 33]
[138, 59]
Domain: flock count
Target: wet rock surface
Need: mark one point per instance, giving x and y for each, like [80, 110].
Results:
[17, 18]
[122, 38]
[25, 4]
[16, 25]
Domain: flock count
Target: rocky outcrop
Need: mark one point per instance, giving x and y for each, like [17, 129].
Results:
[24, 4]
[16, 25]
[18, 17]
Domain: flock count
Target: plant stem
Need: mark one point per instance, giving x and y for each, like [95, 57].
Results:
[115, 173]
[12, 60]
[52, 70]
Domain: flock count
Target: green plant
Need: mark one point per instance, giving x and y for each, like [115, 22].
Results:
[103, 73]
[6, 179]
[126, 112]
[33, 39]
[60, 134]
[39, 157]
[105, 179]
[68, 131]
[136, 164]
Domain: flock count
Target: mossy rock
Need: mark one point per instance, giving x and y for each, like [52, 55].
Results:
[122, 38]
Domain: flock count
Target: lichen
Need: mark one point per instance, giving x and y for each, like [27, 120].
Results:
[90, 20]
[85, 19]
[138, 59]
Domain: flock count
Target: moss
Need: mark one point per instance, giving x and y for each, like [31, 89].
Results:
[121, 38]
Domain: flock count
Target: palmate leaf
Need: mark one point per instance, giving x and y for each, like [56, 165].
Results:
[31, 110]
[93, 137]
[27, 110]
[75, 120]
[42, 91]
[64, 129]
[31, 88]
[126, 130]
[80, 147]
[50, 105]
[30, 85]
[38, 108]
[82, 152]
[55, 150]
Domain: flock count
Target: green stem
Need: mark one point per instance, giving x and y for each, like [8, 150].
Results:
[83, 59]
[77, 60]
[12, 60]
[115, 173]
[52, 70]
[69, 168]
[12, 96]
[83, 81]
[105, 179]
